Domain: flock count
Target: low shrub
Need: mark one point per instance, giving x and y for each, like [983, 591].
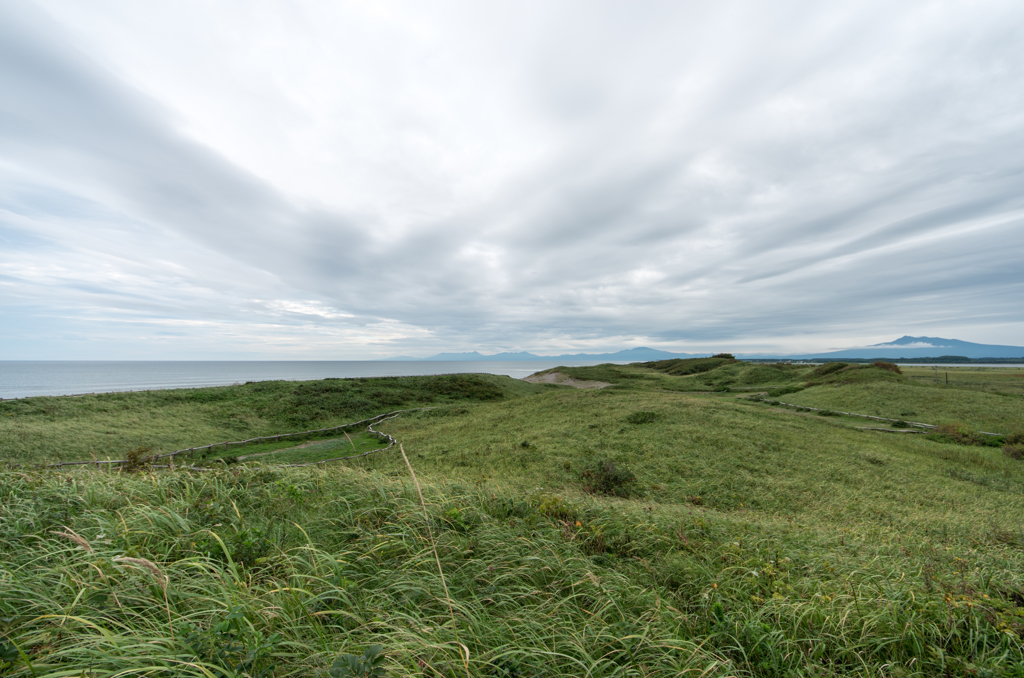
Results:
[605, 477]
[681, 367]
[463, 386]
[1014, 451]
[961, 435]
[137, 459]
[1013, 445]
[785, 390]
[958, 433]
[727, 356]
[369, 665]
[828, 368]
[642, 417]
[892, 367]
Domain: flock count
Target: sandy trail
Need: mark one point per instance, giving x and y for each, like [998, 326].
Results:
[563, 380]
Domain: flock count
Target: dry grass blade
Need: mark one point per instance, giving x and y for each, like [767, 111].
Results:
[71, 535]
[437, 558]
[162, 578]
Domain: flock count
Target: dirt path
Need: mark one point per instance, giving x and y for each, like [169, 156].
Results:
[563, 379]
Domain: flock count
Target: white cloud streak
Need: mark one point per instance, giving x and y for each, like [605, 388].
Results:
[356, 180]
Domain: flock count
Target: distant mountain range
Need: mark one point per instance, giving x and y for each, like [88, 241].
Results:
[904, 347]
[921, 347]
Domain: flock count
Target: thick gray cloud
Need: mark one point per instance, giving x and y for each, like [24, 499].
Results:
[330, 180]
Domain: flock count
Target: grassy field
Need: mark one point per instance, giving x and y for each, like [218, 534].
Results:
[646, 529]
[994, 379]
[108, 425]
[993, 412]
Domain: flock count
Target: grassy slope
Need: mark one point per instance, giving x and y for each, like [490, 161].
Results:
[730, 456]
[930, 404]
[109, 425]
[743, 376]
[759, 542]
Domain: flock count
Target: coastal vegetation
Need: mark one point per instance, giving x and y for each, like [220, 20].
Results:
[689, 518]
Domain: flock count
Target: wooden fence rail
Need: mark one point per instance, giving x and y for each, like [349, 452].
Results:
[865, 416]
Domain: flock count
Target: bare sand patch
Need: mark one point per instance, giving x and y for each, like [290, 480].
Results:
[563, 379]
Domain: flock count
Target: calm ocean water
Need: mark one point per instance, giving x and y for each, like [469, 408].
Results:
[23, 378]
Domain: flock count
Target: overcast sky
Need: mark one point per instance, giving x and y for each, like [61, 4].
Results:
[351, 180]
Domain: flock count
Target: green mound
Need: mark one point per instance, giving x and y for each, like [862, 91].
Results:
[827, 368]
[107, 425]
[732, 374]
[681, 367]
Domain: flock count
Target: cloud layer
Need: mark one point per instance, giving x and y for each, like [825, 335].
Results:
[350, 180]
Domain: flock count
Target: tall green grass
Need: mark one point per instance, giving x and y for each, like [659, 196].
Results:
[231, 590]
[183, 575]
[746, 540]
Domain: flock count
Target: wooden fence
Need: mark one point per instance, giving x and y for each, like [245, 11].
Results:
[865, 416]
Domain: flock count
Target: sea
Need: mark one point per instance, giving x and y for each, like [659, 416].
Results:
[27, 378]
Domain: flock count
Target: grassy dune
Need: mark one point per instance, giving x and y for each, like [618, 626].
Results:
[108, 425]
[734, 538]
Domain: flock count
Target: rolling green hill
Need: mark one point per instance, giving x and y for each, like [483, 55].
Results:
[643, 529]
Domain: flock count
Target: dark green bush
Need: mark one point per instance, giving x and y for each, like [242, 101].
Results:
[1014, 451]
[310, 402]
[137, 459]
[892, 367]
[369, 665]
[463, 387]
[604, 477]
[642, 417]
[961, 435]
[681, 367]
[958, 433]
[828, 368]
[785, 390]
[1013, 445]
